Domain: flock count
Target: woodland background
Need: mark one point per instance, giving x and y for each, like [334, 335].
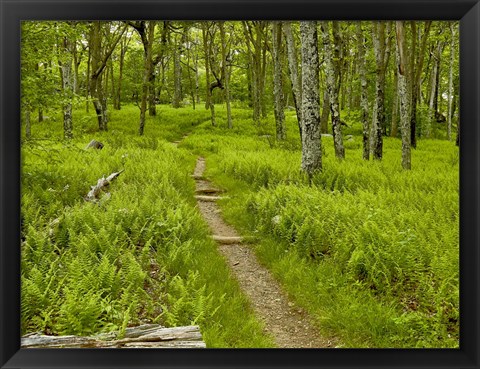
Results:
[336, 141]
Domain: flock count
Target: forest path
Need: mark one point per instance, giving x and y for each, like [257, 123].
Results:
[288, 324]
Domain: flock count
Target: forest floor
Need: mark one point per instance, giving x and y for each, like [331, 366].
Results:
[290, 325]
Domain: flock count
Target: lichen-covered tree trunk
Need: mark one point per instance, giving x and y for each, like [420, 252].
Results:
[67, 81]
[427, 126]
[263, 67]
[311, 138]
[293, 70]
[206, 50]
[278, 81]
[379, 118]
[394, 125]
[225, 74]
[87, 89]
[363, 92]
[333, 87]
[177, 76]
[403, 95]
[147, 72]
[450, 83]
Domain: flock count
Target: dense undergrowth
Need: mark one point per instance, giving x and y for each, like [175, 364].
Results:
[141, 254]
[370, 250]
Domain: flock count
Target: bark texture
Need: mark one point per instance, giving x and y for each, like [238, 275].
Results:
[403, 95]
[363, 92]
[379, 46]
[450, 83]
[225, 74]
[279, 102]
[333, 87]
[311, 138]
[295, 77]
[68, 86]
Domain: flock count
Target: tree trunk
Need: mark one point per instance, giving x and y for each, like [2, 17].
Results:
[76, 63]
[152, 109]
[152, 95]
[294, 75]
[225, 74]
[416, 73]
[88, 81]
[147, 72]
[450, 83]
[311, 138]
[177, 75]
[333, 88]
[363, 93]
[431, 103]
[394, 129]
[100, 55]
[67, 79]
[189, 69]
[278, 81]
[118, 92]
[197, 81]
[403, 94]
[206, 49]
[253, 31]
[263, 67]
[379, 117]
[96, 86]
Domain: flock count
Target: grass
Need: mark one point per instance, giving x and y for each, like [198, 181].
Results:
[370, 250]
[141, 255]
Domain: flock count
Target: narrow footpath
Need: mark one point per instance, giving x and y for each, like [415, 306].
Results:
[288, 324]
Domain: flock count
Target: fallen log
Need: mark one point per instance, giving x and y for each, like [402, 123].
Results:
[102, 183]
[145, 336]
[225, 240]
[208, 198]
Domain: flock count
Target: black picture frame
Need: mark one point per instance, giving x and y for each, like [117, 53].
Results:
[12, 12]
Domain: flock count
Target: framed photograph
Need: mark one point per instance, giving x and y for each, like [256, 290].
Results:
[239, 184]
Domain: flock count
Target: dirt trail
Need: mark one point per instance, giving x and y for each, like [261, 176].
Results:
[287, 323]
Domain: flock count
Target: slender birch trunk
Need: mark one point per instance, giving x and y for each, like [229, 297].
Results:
[333, 87]
[279, 102]
[311, 138]
[363, 93]
[403, 94]
[294, 74]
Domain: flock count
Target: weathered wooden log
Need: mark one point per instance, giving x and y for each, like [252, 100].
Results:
[147, 336]
[95, 145]
[102, 183]
[224, 240]
[208, 198]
